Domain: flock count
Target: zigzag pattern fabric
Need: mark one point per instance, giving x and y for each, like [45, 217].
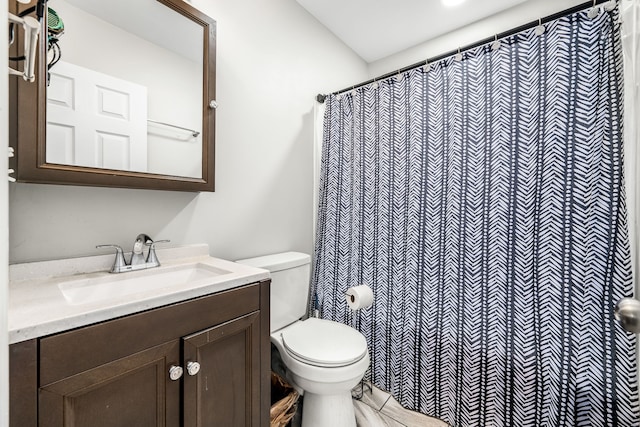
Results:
[483, 202]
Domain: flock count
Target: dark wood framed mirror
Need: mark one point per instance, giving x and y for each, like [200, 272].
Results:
[170, 116]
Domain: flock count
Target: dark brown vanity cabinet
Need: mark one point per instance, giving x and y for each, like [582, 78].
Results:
[126, 372]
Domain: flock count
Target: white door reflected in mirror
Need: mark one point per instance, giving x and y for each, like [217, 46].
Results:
[95, 120]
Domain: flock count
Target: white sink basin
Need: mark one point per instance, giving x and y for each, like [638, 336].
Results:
[105, 287]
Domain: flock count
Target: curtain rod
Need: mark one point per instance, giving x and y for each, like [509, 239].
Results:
[320, 97]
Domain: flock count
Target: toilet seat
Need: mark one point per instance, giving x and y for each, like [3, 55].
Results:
[324, 343]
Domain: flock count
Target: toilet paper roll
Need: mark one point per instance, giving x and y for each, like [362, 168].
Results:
[359, 297]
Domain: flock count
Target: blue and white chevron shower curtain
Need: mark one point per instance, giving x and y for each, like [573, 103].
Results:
[483, 202]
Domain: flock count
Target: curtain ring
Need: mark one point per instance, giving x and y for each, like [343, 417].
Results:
[594, 11]
[496, 44]
[540, 28]
[458, 56]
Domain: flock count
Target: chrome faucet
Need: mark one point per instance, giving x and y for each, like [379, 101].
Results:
[138, 261]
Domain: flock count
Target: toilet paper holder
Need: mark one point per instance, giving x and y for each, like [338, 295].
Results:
[359, 297]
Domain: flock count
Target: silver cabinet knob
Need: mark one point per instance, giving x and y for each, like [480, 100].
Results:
[175, 372]
[193, 368]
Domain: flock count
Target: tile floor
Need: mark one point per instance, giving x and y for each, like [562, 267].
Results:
[377, 408]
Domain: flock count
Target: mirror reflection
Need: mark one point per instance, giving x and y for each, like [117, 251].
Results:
[125, 89]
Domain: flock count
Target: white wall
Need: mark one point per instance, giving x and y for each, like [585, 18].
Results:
[504, 21]
[272, 59]
[4, 221]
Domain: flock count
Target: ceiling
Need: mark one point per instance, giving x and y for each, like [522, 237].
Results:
[375, 29]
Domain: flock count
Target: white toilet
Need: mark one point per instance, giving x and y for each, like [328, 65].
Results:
[324, 359]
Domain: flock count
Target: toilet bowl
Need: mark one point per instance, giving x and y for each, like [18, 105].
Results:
[324, 359]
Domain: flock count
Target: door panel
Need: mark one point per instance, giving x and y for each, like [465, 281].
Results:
[95, 120]
[226, 391]
[132, 391]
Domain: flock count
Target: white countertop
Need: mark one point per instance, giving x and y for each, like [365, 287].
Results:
[37, 306]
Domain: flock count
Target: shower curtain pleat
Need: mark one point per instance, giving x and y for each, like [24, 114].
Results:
[483, 202]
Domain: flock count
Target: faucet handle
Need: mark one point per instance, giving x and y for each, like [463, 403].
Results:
[151, 256]
[119, 263]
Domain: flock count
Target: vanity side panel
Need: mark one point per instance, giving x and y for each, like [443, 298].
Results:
[23, 384]
[265, 352]
[76, 351]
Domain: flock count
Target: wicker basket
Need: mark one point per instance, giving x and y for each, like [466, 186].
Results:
[284, 399]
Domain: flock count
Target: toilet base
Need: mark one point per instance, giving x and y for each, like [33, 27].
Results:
[334, 410]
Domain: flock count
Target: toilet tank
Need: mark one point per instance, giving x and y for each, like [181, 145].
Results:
[290, 281]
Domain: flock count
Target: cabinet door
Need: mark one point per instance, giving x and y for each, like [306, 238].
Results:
[133, 391]
[226, 390]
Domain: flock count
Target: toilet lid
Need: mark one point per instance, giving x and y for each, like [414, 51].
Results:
[324, 343]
